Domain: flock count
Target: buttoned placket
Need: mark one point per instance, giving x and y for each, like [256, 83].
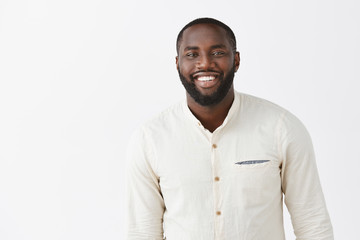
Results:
[216, 179]
[215, 161]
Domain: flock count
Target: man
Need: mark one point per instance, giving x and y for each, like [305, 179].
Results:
[217, 166]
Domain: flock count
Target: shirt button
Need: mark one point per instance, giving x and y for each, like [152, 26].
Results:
[199, 123]
[218, 213]
[217, 179]
[214, 146]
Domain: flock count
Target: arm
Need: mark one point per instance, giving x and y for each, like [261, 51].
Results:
[301, 184]
[145, 205]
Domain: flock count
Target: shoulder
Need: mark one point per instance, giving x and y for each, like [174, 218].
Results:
[143, 137]
[168, 116]
[162, 123]
[260, 108]
[257, 103]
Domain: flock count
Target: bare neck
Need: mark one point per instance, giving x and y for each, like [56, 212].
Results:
[211, 117]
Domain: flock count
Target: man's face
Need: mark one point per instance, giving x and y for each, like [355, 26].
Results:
[206, 63]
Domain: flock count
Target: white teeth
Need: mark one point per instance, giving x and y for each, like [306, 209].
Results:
[206, 78]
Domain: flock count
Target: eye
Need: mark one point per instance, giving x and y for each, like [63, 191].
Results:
[218, 53]
[191, 54]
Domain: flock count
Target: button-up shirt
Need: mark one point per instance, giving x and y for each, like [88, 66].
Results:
[185, 182]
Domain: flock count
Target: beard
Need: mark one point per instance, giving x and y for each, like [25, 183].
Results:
[214, 98]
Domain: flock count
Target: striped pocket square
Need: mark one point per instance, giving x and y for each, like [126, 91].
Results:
[251, 162]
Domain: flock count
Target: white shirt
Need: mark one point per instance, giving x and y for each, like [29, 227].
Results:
[187, 183]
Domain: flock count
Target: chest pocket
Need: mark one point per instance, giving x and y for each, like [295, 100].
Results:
[256, 175]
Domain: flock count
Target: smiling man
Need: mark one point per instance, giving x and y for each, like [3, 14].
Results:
[217, 165]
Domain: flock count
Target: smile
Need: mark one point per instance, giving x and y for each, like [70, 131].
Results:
[205, 78]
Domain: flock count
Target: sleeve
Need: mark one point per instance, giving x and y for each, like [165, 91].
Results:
[144, 203]
[301, 184]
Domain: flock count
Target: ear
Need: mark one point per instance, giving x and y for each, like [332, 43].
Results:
[177, 62]
[237, 60]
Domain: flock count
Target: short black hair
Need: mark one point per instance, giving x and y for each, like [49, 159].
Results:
[230, 34]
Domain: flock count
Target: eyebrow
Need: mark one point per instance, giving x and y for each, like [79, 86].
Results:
[191, 48]
[218, 46]
[197, 48]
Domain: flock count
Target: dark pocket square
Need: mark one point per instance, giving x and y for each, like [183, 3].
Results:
[251, 162]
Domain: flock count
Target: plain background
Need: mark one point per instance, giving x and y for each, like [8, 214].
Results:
[77, 77]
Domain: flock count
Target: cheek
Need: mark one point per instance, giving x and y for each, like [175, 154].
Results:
[186, 67]
[226, 64]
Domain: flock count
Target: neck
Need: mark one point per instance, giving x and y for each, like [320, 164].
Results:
[211, 117]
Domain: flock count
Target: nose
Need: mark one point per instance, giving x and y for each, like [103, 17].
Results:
[204, 62]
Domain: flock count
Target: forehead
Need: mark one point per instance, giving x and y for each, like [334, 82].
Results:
[202, 35]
